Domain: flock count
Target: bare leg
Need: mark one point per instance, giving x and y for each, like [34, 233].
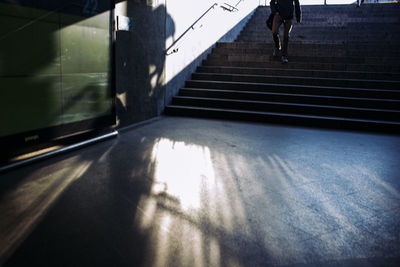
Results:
[288, 28]
[275, 31]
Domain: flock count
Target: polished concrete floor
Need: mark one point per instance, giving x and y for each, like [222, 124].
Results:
[193, 192]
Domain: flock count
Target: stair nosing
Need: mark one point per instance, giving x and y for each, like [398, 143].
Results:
[297, 85]
[288, 94]
[306, 70]
[286, 114]
[288, 104]
[293, 64]
[347, 64]
[292, 77]
[344, 57]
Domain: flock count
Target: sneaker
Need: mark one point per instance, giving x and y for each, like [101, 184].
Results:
[276, 52]
[285, 59]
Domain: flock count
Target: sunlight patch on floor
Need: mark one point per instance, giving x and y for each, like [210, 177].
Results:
[181, 171]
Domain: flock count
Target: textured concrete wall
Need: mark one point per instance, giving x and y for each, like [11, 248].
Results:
[140, 75]
[218, 25]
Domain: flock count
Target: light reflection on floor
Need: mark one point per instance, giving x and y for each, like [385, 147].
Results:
[32, 199]
[181, 171]
[186, 197]
[198, 217]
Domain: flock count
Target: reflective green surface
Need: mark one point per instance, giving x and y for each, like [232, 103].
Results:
[86, 96]
[54, 68]
[29, 103]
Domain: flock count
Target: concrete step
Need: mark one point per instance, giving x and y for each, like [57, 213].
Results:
[372, 103]
[343, 9]
[335, 20]
[330, 34]
[300, 72]
[282, 118]
[303, 65]
[289, 108]
[349, 27]
[306, 58]
[346, 12]
[314, 81]
[344, 47]
[297, 89]
[324, 24]
[303, 50]
[267, 40]
[319, 39]
[390, 30]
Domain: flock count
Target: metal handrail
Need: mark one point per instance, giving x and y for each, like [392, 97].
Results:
[230, 7]
[191, 27]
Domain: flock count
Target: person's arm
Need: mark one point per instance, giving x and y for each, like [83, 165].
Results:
[297, 10]
[274, 7]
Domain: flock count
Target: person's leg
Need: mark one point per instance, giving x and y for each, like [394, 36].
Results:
[275, 33]
[287, 29]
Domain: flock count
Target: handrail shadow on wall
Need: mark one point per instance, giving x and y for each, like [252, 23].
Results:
[191, 27]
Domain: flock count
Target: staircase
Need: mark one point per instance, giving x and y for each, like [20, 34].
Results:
[343, 72]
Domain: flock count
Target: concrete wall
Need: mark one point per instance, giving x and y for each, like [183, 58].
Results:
[140, 76]
[146, 79]
[217, 25]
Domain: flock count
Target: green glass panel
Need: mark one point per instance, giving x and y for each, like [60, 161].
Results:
[85, 46]
[54, 68]
[86, 96]
[31, 50]
[99, 20]
[85, 57]
[28, 13]
[29, 103]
